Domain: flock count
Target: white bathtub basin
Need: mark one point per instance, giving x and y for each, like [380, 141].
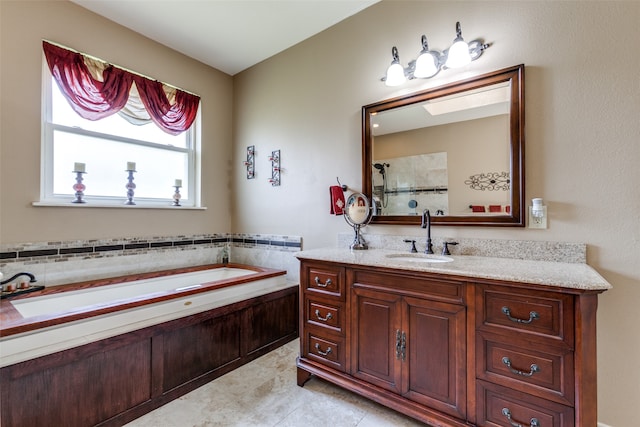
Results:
[67, 301]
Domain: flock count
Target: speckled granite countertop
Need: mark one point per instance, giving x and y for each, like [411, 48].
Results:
[559, 274]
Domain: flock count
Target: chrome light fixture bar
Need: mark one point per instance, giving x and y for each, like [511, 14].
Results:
[430, 62]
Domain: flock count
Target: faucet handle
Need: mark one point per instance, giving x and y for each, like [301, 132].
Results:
[445, 248]
[413, 245]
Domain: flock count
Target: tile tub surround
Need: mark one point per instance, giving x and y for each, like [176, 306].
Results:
[57, 263]
[547, 273]
[495, 248]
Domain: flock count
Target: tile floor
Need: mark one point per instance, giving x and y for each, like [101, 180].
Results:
[264, 393]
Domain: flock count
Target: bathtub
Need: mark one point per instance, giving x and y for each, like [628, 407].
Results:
[67, 316]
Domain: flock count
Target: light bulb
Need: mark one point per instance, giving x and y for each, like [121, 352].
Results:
[425, 66]
[395, 75]
[395, 72]
[458, 55]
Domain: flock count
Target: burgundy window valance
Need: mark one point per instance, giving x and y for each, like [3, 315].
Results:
[96, 89]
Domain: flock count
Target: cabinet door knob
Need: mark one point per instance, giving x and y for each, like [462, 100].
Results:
[507, 413]
[532, 370]
[328, 282]
[532, 316]
[323, 353]
[324, 319]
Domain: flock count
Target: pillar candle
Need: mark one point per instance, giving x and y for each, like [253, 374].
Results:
[131, 166]
[178, 183]
[79, 167]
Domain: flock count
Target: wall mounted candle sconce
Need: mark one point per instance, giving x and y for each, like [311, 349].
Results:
[275, 168]
[430, 62]
[537, 214]
[250, 162]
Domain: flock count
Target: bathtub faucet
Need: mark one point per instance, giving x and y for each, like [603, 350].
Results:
[32, 278]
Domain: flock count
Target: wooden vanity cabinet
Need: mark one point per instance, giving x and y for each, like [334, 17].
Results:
[407, 343]
[536, 357]
[450, 350]
[323, 316]
[396, 338]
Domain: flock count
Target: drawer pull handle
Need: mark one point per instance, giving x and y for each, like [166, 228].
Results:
[507, 413]
[532, 316]
[328, 282]
[324, 319]
[533, 369]
[323, 353]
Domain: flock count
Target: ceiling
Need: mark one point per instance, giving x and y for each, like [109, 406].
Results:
[229, 35]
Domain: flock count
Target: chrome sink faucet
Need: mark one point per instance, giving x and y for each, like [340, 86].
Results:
[426, 223]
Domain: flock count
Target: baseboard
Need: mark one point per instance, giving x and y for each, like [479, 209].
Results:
[603, 425]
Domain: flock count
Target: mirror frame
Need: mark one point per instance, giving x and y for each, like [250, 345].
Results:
[514, 75]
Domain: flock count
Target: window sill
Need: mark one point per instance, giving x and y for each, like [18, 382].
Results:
[108, 205]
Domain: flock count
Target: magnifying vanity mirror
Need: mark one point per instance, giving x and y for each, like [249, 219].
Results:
[357, 213]
[457, 150]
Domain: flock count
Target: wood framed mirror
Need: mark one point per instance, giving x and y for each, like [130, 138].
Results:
[456, 149]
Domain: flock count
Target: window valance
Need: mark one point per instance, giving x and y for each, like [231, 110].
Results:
[96, 89]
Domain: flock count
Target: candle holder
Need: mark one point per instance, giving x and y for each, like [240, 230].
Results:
[130, 188]
[79, 188]
[176, 196]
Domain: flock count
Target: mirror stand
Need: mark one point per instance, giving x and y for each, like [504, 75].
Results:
[358, 242]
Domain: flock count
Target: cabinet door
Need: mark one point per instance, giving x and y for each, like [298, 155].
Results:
[200, 348]
[436, 355]
[377, 337]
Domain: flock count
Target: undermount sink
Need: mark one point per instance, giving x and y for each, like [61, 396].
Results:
[419, 257]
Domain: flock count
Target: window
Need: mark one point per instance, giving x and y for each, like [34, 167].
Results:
[106, 146]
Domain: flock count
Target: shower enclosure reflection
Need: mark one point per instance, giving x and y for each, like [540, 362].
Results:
[412, 184]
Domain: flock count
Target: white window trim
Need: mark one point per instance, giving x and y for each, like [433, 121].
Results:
[48, 198]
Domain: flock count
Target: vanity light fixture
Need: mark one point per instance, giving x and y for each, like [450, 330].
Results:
[430, 62]
[395, 73]
[458, 55]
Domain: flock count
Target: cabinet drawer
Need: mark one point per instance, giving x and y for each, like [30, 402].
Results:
[500, 407]
[420, 286]
[324, 314]
[536, 314]
[324, 281]
[327, 350]
[545, 372]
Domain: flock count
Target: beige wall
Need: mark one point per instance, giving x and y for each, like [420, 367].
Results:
[24, 25]
[582, 128]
